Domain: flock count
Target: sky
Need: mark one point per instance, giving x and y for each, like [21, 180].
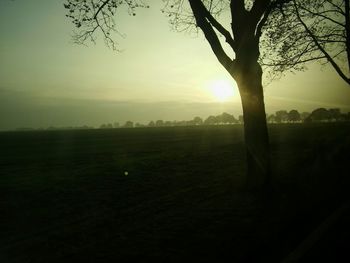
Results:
[47, 80]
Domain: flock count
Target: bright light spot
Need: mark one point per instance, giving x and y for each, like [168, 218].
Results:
[222, 90]
[126, 173]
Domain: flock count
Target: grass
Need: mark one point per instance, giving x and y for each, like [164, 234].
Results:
[65, 197]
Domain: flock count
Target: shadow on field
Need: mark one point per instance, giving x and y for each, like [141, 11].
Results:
[164, 194]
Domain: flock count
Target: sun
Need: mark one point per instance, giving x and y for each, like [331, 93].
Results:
[222, 90]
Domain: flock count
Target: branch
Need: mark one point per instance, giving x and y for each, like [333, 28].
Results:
[293, 63]
[219, 28]
[329, 58]
[100, 8]
[200, 14]
[321, 14]
[259, 8]
[340, 10]
[263, 20]
[347, 31]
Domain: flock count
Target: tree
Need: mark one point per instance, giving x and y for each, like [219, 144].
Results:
[304, 115]
[309, 30]
[293, 116]
[271, 118]
[320, 114]
[128, 124]
[159, 123]
[226, 118]
[281, 116]
[334, 114]
[248, 19]
[168, 123]
[211, 120]
[197, 120]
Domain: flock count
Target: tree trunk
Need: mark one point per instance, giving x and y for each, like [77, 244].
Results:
[249, 81]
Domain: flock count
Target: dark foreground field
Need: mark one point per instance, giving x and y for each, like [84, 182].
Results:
[65, 196]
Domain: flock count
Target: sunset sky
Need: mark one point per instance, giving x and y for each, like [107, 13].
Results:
[46, 80]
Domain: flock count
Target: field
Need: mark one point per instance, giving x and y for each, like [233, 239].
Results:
[164, 194]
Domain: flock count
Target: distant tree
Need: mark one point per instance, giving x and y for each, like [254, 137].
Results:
[181, 123]
[189, 123]
[281, 116]
[151, 124]
[271, 118]
[309, 30]
[304, 115]
[320, 114]
[334, 114]
[168, 123]
[116, 125]
[128, 124]
[226, 118]
[106, 126]
[294, 116]
[197, 121]
[211, 120]
[159, 123]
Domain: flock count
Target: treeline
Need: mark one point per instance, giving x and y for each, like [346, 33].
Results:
[281, 116]
[223, 119]
[318, 115]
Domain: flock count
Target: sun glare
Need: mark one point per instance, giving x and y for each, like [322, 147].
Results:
[222, 90]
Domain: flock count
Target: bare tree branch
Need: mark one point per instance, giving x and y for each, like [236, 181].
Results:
[306, 31]
[91, 17]
[326, 54]
[200, 14]
[220, 28]
[100, 8]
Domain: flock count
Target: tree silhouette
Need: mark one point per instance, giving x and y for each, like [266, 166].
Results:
[281, 116]
[293, 116]
[304, 115]
[334, 114]
[226, 118]
[320, 114]
[168, 123]
[128, 124]
[211, 120]
[197, 120]
[308, 30]
[248, 21]
[271, 118]
[159, 123]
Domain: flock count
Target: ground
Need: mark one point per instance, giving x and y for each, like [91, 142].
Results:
[164, 194]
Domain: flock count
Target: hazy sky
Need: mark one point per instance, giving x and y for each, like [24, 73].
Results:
[46, 80]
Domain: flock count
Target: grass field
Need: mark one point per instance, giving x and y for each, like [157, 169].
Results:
[65, 196]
